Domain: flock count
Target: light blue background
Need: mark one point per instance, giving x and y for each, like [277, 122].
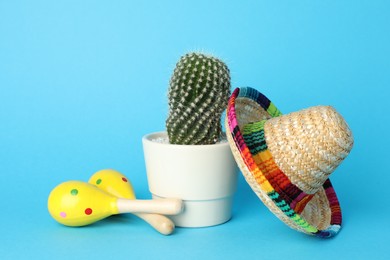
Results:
[82, 81]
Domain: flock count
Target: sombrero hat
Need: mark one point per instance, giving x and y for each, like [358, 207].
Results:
[286, 159]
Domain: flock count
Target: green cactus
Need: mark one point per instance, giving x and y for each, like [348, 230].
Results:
[198, 94]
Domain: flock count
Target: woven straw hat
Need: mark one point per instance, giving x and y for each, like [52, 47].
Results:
[286, 159]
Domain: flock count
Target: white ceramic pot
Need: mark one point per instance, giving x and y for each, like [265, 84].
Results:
[203, 176]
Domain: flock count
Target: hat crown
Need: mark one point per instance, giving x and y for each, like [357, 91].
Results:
[308, 145]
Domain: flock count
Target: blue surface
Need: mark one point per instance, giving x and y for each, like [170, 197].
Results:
[82, 81]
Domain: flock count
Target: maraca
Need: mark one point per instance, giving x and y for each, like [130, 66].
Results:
[115, 183]
[76, 203]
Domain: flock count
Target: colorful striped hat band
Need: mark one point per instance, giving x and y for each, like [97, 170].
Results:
[286, 159]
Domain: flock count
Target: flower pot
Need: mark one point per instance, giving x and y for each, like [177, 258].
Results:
[203, 176]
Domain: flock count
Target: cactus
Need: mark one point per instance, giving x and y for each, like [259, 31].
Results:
[198, 94]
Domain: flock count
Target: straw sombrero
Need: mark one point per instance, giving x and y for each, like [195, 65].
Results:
[286, 159]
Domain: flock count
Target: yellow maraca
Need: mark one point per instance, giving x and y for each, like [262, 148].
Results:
[115, 183]
[76, 203]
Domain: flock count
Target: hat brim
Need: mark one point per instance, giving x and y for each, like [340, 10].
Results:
[322, 214]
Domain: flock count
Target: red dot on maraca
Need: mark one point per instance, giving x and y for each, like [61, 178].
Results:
[88, 211]
[124, 179]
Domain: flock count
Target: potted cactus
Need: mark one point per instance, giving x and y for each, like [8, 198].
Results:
[192, 159]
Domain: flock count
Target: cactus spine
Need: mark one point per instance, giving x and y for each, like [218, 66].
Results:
[198, 94]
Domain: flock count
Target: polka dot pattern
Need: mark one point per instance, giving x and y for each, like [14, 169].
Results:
[75, 192]
[88, 211]
[78, 203]
[113, 183]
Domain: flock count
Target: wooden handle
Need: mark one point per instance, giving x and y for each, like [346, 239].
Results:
[159, 222]
[158, 206]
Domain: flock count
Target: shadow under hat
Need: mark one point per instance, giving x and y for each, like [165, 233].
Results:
[286, 159]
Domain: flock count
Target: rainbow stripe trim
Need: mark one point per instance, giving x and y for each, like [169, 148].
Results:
[258, 159]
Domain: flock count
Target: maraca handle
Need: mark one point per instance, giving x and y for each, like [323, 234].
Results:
[161, 223]
[158, 206]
